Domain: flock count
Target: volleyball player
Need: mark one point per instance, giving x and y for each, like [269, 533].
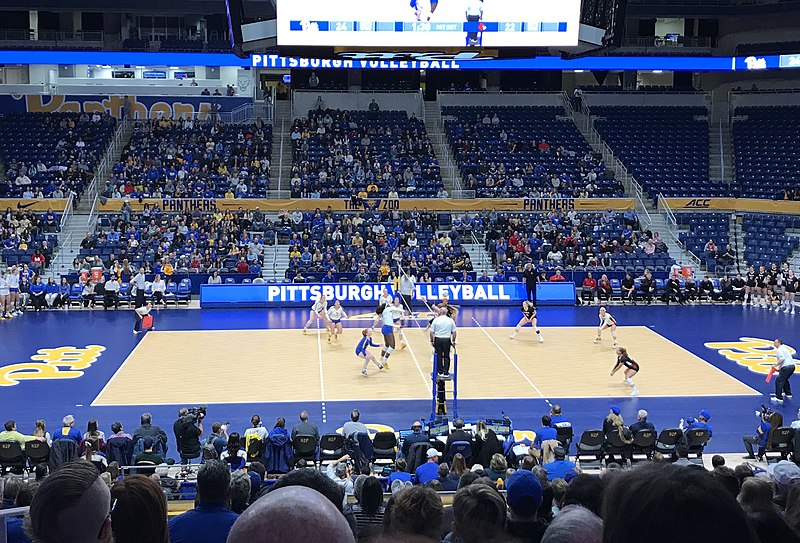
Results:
[385, 298]
[319, 310]
[398, 320]
[749, 286]
[385, 314]
[335, 315]
[13, 292]
[528, 316]
[607, 322]
[452, 310]
[762, 284]
[5, 306]
[792, 284]
[422, 10]
[631, 368]
[363, 353]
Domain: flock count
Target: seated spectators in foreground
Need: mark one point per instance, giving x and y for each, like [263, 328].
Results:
[72, 505]
[288, 515]
[140, 511]
[210, 520]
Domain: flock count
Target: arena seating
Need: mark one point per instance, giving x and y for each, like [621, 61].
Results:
[490, 154]
[347, 259]
[665, 148]
[766, 240]
[599, 242]
[766, 142]
[397, 145]
[58, 151]
[29, 231]
[190, 243]
[702, 228]
[194, 160]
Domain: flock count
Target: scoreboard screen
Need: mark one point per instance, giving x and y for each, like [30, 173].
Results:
[428, 23]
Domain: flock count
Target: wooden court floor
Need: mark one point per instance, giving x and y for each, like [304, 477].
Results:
[253, 366]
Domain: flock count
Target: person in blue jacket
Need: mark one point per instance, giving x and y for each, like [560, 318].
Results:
[37, 293]
[63, 293]
[51, 293]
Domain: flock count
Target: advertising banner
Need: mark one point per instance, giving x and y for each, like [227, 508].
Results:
[734, 204]
[22, 204]
[143, 107]
[378, 204]
[355, 294]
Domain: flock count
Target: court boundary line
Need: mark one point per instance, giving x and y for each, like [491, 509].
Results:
[511, 361]
[114, 376]
[321, 372]
[720, 370]
[482, 399]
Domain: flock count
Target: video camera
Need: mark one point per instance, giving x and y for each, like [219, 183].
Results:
[196, 413]
[765, 412]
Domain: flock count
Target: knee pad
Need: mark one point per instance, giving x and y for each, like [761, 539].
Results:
[389, 350]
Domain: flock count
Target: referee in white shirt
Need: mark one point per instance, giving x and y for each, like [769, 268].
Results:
[443, 336]
[784, 368]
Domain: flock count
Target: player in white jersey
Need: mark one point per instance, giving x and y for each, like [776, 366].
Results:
[335, 315]
[385, 298]
[5, 306]
[398, 320]
[318, 310]
[385, 314]
[13, 289]
[607, 322]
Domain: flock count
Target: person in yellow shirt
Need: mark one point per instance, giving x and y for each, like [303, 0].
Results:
[295, 253]
[372, 188]
[168, 269]
[362, 194]
[229, 194]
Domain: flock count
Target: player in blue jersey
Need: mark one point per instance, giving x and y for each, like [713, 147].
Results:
[363, 353]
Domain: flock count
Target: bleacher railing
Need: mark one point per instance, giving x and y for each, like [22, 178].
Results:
[672, 229]
[721, 152]
[67, 214]
[280, 160]
[629, 182]
[441, 145]
[7, 514]
[121, 136]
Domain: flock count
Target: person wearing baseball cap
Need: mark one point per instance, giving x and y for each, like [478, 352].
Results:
[428, 471]
[701, 422]
[524, 496]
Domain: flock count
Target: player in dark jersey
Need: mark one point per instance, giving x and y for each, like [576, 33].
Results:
[528, 316]
[631, 368]
[762, 286]
[792, 283]
[750, 285]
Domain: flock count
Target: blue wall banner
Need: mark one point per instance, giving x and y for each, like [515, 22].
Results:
[355, 294]
[408, 61]
[143, 106]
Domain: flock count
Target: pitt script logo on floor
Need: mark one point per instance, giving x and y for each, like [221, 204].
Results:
[58, 363]
[757, 355]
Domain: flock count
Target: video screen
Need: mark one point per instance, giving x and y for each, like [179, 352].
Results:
[429, 23]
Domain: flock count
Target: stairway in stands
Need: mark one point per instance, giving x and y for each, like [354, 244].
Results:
[281, 161]
[434, 125]
[84, 214]
[650, 216]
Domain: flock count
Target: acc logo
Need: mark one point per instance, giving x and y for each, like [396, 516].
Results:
[698, 203]
[59, 363]
[757, 355]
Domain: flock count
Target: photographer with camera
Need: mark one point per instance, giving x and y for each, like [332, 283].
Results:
[770, 420]
[188, 429]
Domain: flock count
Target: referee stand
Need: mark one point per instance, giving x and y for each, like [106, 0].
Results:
[440, 389]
